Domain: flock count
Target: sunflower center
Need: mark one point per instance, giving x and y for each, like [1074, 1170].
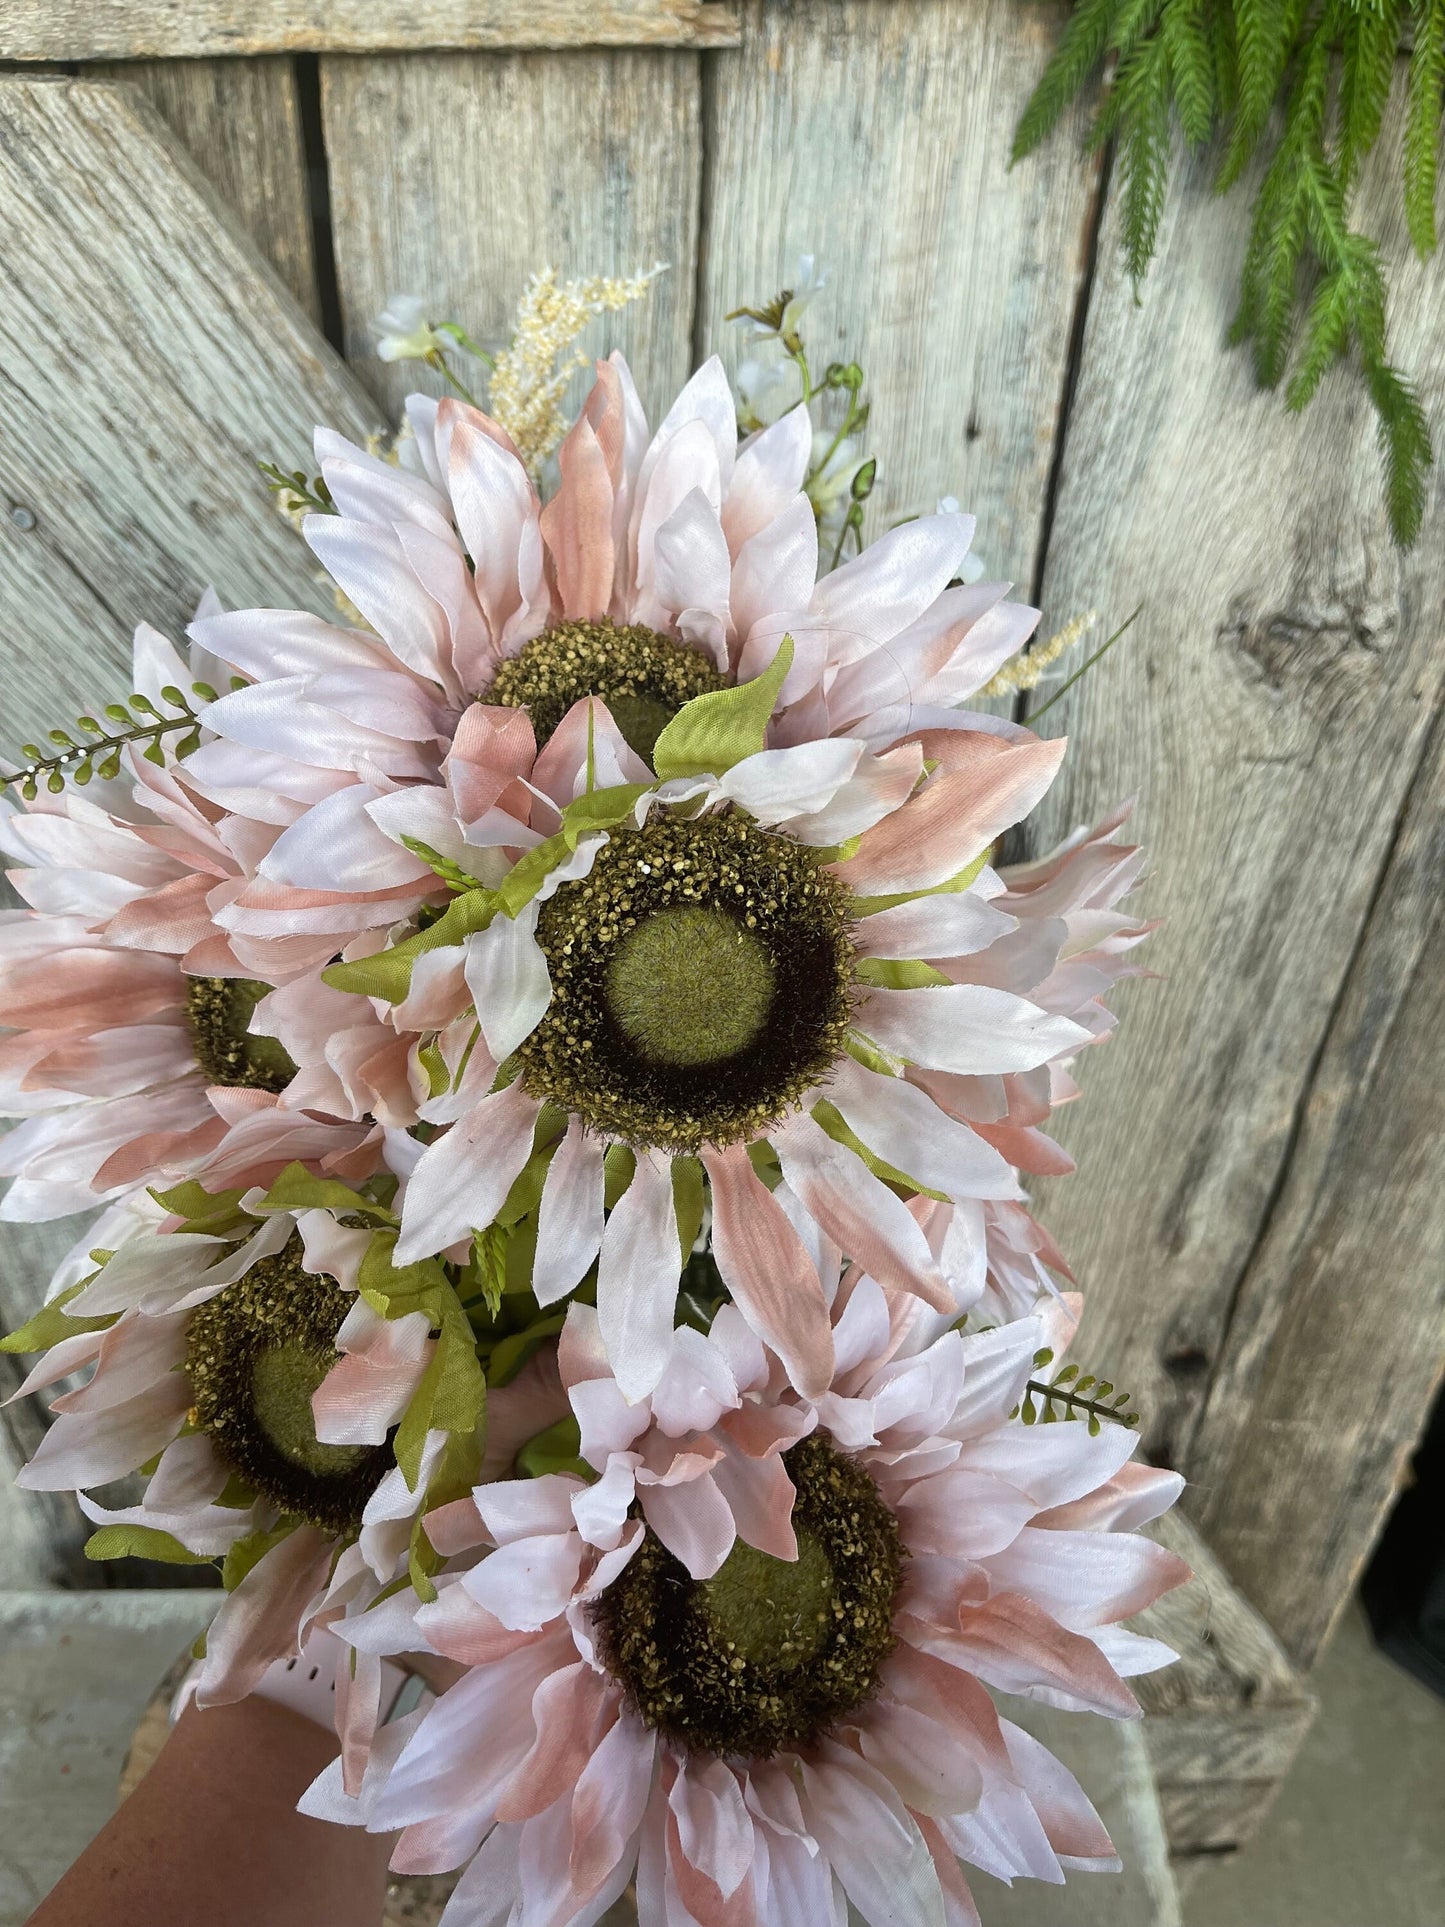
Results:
[701, 982]
[643, 678]
[255, 1353]
[691, 985]
[219, 1009]
[769, 1652]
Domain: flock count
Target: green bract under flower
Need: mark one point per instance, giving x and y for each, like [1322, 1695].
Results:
[769, 1652]
[643, 678]
[255, 1353]
[219, 1009]
[701, 978]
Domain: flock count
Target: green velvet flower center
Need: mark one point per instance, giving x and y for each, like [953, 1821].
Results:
[769, 1652]
[255, 1353]
[219, 1009]
[643, 678]
[701, 982]
[691, 985]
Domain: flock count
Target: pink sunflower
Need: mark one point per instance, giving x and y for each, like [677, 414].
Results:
[140, 1032]
[756, 1738]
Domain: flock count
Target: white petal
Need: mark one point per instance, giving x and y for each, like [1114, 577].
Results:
[507, 975]
[570, 1219]
[637, 1277]
[904, 1127]
[970, 1029]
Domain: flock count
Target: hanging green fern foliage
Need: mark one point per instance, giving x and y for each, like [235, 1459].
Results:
[1305, 83]
[1074, 1394]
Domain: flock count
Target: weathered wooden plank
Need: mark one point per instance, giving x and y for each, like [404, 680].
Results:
[1227, 1719]
[1338, 1332]
[1271, 705]
[148, 358]
[180, 29]
[42, 1534]
[874, 134]
[240, 121]
[497, 165]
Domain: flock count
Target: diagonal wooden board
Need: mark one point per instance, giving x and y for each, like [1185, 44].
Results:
[876, 137]
[240, 122]
[1338, 1333]
[172, 29]
[1272, 706]
[502, 164]
[148, 358]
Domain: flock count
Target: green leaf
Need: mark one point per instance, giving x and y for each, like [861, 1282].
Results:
[1081, 47]
[488, 1270]
[893, 973]
[248, 1553]
[1426, 91]
[388, 974]
[142, 1542]
[212, 1214]
[52, 1323]
[619, 1162]
[452, 1396]
[597, 810]
[510, 1354]
[298, 1189]
[688, 1197]
[394, 1290]
[714, 731]
[557, 1449]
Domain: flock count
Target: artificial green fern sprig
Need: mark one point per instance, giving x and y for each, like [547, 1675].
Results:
[1070, 1394]
[74, 759]
[1309, 80]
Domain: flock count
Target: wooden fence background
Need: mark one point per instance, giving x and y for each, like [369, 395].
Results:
[1259, 1222]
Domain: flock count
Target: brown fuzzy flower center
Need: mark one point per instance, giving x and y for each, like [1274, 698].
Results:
[255, 1353]
[219, 1009]
[701, 982]
[769, 1652]
[643, 678]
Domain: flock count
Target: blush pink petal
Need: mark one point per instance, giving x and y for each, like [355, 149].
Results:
[565, 1710]
[259, 1620]
[570, 1217]
[857, 1210]
[767, 1269]
[612, 1793]
[577, 526]
[955, 817]
[769, 471]
[693, 1521]
[871, 1840]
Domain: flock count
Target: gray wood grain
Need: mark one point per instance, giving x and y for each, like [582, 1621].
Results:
[148, 358]
[1223, 1724]
[32, 30]
[497, 165]
[1339, 1327]
[240, 122]
[1271, 705]
[875, 134]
